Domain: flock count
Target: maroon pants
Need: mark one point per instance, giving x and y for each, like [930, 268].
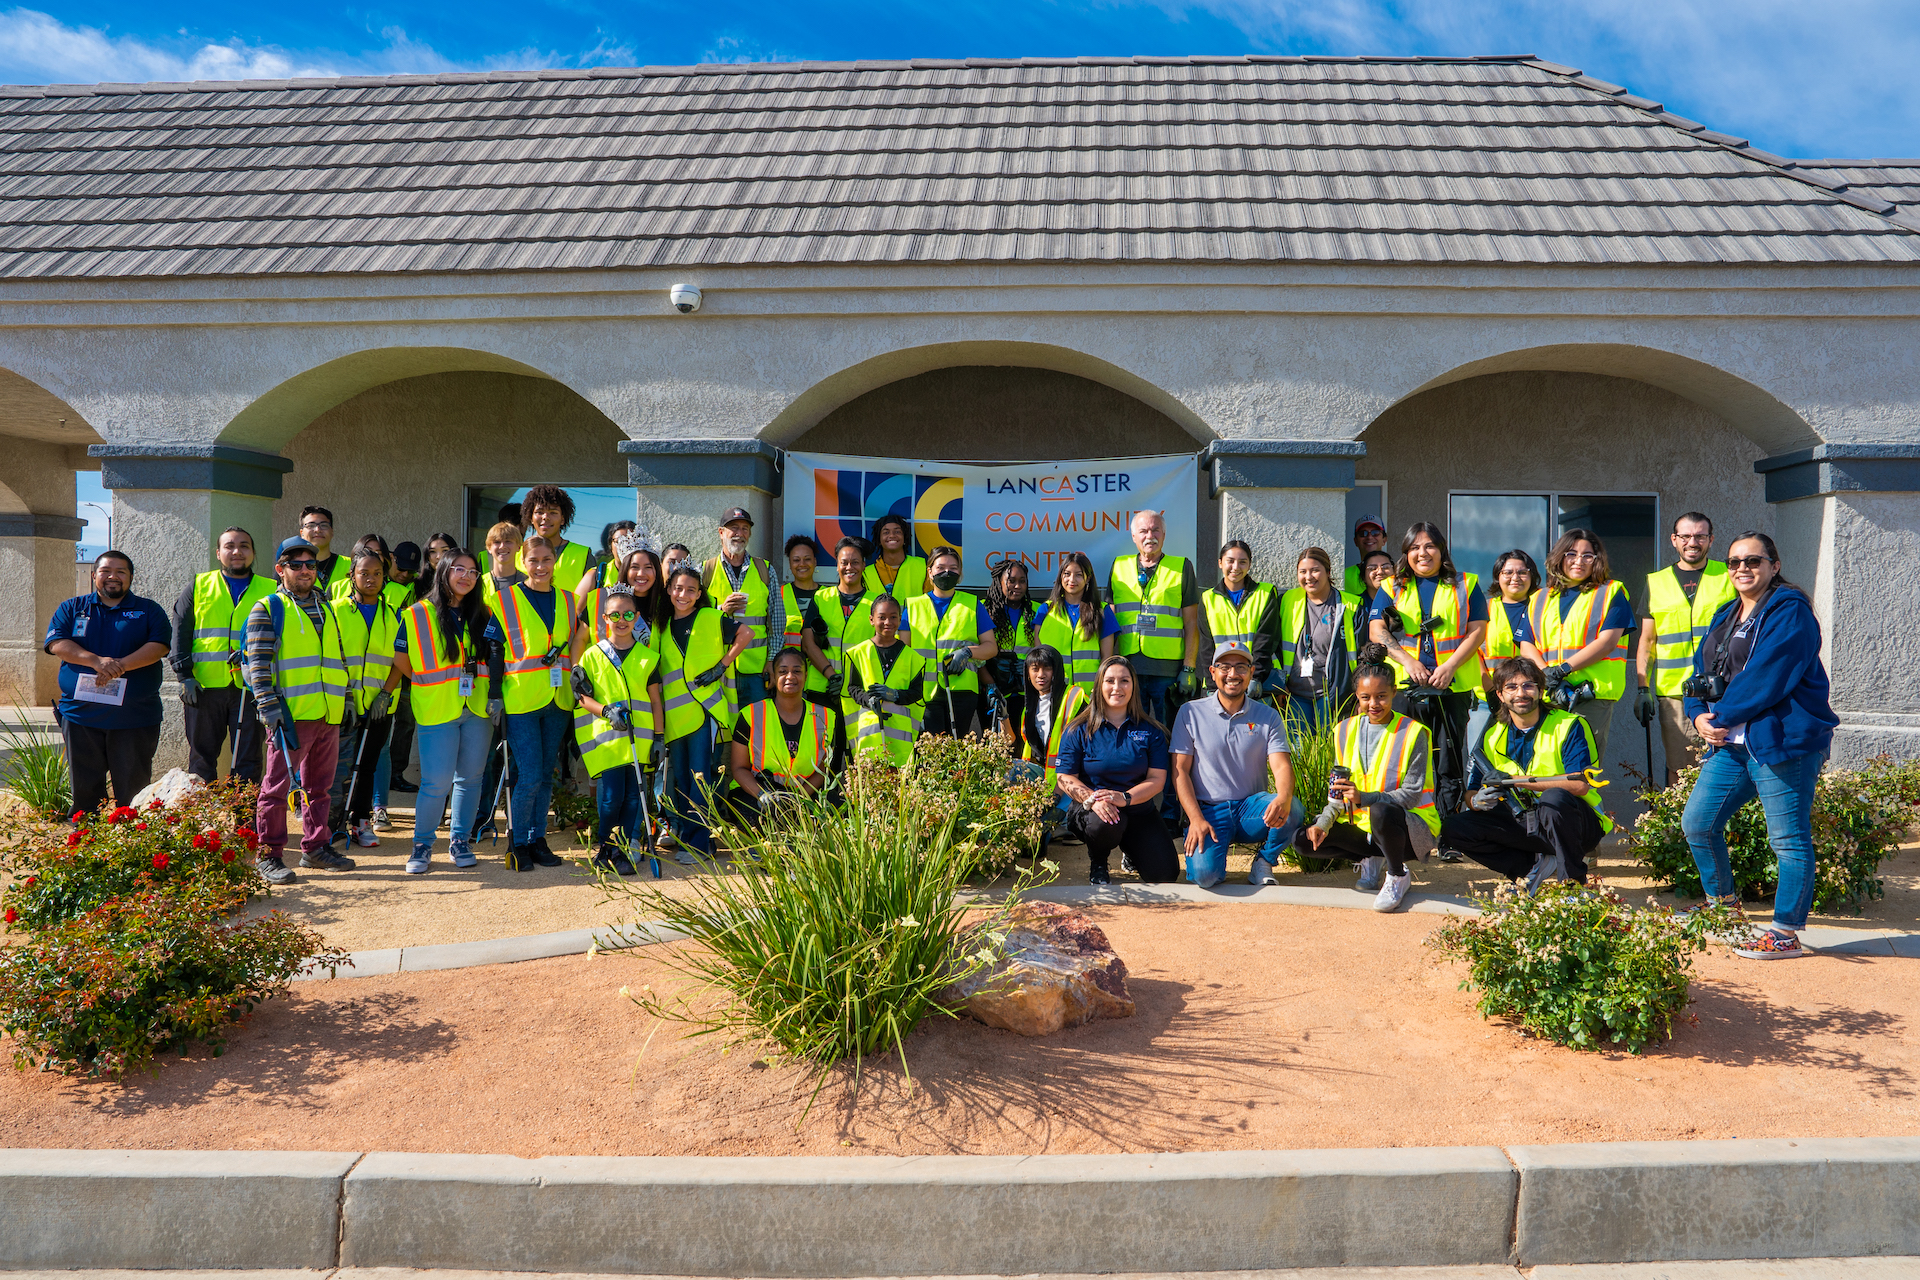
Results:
[315, 758]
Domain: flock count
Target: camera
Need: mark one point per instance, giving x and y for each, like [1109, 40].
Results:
[685, 298]
[1710, 688]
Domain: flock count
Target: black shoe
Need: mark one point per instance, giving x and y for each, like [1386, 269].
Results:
[274, 871]
[1126, 864]
[400, 784]
[543, 855]
[1098, 875]
[1449, 855]
[520, 858]
[615, 861]
[326, 860]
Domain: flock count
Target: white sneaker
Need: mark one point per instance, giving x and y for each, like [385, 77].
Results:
[1372, 871]
[363, 835]
[1393, 894]
[381, 820]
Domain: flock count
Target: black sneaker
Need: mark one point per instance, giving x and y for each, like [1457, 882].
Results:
[326, 860]
[520, 858]
[1126, 864]
[1449, 855]
[274, 871]
[400, 784]
[615, 861]
[1099, 875]
[545, 856]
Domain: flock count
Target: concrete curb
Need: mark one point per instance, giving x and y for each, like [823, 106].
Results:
[466, 955]
[1583, 1209]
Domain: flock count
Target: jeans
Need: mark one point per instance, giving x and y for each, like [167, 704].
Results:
[533, 739]
[1241, 821]
[453, 756]
[617, 797]
[399, 742]
[1729, 777]
[691, 759]
[315, 757]
[750, 689]
[348, 809]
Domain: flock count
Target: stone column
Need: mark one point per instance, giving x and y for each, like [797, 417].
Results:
[170, 503]
[1847, 522]
[685, 485]
[36, 574]
[1283, 496]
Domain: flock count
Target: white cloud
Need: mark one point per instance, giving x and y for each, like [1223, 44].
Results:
[737, 50]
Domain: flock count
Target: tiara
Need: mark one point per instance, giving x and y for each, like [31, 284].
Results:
[628, 541]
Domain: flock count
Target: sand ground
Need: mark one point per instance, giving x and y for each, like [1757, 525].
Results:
[1258, 1027]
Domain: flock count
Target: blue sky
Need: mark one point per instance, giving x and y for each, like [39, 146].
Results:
[1829, 78]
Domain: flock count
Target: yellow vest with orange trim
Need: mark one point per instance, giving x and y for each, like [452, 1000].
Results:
[438, 669]
[767, 751]
[539, 662]
[1558, 639]
[1450, 605]
[1402, 755]
[1071, 705]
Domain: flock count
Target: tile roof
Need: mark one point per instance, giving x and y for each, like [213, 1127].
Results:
[1231, 159]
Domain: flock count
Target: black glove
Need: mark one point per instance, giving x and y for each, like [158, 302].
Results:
[958, 662]
[766, 800]
[274, 716]
[710, 675]
[1558, 673]
[190, 692]
[870, 699]
[1645, 709]
[619, 717]
[497, 712]
[348, 719]
[835, 683]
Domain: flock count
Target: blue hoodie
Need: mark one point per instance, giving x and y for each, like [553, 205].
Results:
[1781, 694]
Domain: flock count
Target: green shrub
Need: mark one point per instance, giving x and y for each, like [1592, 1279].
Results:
[833, 937]
[1859, 818]
[63, 872]
[37, 770]
[105, 992]
[968, 781]
[1575, 965]
[1313, 761]
[575, 812]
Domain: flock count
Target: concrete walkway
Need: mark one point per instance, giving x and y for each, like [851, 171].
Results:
[1785, 1269]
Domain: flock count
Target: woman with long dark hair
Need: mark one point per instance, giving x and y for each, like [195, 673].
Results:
[1113, 764]
[1010, 609]
[1241, 607]
[455, 696]
[1580, 623]
[637, 563]
[1319, 646]
[698, 646]
[1075, 622]
[1768, 726]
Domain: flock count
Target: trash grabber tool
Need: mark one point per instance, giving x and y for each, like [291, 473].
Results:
[499, 788]
[353, 778]
[646, 810]
[1648, 726]
[298, 792]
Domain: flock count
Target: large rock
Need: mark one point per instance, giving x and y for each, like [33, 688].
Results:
[1056, 969]
[175, 784]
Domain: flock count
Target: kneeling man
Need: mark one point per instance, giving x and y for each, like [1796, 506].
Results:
[1224, 749]
[1544, 824]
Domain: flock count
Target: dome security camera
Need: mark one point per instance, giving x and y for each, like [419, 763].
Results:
[685, 298]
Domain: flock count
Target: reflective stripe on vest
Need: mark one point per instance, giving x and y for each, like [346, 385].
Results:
[1548, 761]
[1450, 606]
[1559, 640]
[1229, 622]
[757, 586]
[793, 615]
[1070, 706]
[1150, 622]
[435, 693]
[767, 752]
[528, 685]
[614, 676]
[844, 629]
[1080, 654]
[1293, 621]
[687, 707]
[909, 581]
[1679, 624]
[368, 649]
[309, 669]
[1403, 754]
[930, 634]
[220, 625]
[888, 734]
[1499, 644]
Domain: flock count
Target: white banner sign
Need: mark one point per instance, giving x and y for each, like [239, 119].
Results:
[1033, 512]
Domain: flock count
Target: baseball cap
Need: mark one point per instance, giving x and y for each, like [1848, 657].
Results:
[1368, 521]
[1231, 647]
[292, 545]
[736, 513]
[406, 557]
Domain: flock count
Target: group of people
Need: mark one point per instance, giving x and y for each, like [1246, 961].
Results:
[680, 682]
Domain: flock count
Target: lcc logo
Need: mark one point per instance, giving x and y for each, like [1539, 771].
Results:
[846, 504]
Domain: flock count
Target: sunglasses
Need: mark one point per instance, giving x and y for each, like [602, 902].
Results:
[1746, 562]
[303, 564]
[625, 615]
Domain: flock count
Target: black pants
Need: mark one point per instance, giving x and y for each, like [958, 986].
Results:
[210, 724]
[1446, 719]
[94, 755]
[964, 705]
[1562, 823]
[490, 784]
[1389, 839]
[402, 732]
[1138, 833]
[362, 745]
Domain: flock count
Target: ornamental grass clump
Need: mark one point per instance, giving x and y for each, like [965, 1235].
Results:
[36, 769]
[1859, 819]
[834, 934]
[1576, 965]
[1313, 756]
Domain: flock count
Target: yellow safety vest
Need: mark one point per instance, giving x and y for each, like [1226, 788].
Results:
[792, 615]
[1450, 606]
[756, 583]
[438, 670]
[368, 649]
[1555, 728]
[687, 707]
[1499, 644]
[1293, 620]
[309, 669]
[844, 630]
[1229, 622]
[595, 624]
[569, 566]
[1353, 583]
[1078, 652]
[539, 666]
[767, 743]
[1403, 754]
[1150, 622]
[328, 583]
[1071, 705]
[1679, 624]
[616, 677]
[935, 637]
[1559, 639]
[889, 734]
[909, 580]
[220, 625]
[398, 595]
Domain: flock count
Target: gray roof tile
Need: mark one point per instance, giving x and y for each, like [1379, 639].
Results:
[1492, 160]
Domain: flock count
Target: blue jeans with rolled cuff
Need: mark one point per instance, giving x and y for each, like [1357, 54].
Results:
[1729, 777]
[617, 798]
[1241, 822]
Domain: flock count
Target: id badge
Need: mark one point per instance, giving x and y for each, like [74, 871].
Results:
[555, 676]
[80, 626]
[466, 686]
[1306, 666]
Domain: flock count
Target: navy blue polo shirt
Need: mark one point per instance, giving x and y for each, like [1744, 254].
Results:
[111, 632]
[1113, 757]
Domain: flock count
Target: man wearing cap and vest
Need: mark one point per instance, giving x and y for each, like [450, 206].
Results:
[297, 672]
[532, 626]
[620, 714]
[1545, 829]
[1676, 615]
[886, 691]
[1156, 600]
[743, 586]
[209, 622]
[1369, 536]
[368, 626]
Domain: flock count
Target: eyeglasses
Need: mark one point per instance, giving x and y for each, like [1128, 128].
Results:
[1520, 686]
[624, 615]
[463, 571]
[308, 565]
[1693, 537]
[1580, 557]
[315, 524]
[1746, 562]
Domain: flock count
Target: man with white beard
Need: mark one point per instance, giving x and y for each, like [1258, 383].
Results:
[743, 588]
